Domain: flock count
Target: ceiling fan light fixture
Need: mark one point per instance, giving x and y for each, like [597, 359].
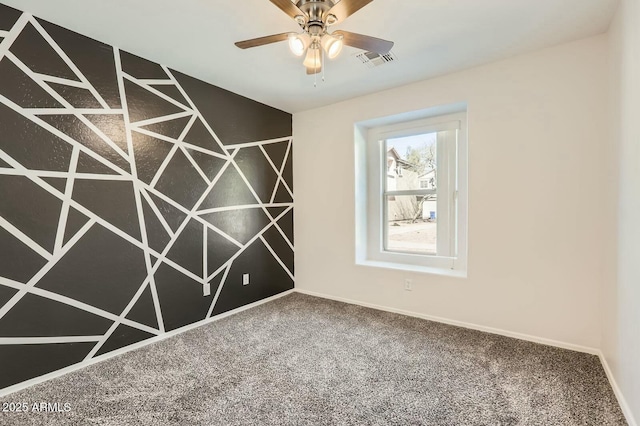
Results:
[298, 44]
[313, 60]
[332, 45]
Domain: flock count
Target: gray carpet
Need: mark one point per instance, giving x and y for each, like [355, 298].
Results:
[301, 360]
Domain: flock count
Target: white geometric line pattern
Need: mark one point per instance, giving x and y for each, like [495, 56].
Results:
[120, 201]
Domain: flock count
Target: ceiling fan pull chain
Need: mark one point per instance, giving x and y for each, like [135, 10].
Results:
[315, 74]
[322, 64]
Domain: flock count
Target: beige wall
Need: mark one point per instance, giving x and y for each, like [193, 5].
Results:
[621, 295]
[537, 145]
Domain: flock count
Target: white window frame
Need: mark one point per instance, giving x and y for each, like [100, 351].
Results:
[371, 220]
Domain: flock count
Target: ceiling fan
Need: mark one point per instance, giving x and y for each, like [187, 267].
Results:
[315, 17]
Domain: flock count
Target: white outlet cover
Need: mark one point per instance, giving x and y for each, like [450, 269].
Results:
[206, 289]
[408, 284]
[245, 279]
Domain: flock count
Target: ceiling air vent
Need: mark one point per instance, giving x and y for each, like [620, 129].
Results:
[372, 59]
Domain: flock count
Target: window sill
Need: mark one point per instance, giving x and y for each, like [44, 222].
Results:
[414, 268]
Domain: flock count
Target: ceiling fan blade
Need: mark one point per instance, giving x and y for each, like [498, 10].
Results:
[365, 42]
[345, 8]
[261, 41]
[288, 7]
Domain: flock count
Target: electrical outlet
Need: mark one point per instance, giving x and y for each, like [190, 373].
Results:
[206, 290]
[408, 284]
[245, 279]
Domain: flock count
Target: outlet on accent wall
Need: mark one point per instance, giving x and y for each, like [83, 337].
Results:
[408, 284]
[245, 279]
[206, 290]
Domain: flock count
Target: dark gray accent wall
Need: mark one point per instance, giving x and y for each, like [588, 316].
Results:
[126, 190]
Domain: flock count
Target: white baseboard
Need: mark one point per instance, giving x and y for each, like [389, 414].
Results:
[80, 365]
[626, 410]
[616, 390]
[521, 336]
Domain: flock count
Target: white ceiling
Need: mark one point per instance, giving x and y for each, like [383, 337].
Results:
[432, 37]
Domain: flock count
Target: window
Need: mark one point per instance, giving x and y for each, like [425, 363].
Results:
[417, 222]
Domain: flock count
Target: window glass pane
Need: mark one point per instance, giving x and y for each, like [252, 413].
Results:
[411, 162]
[411, 224]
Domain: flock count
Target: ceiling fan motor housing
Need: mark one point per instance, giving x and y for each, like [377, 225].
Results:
[316, 11]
